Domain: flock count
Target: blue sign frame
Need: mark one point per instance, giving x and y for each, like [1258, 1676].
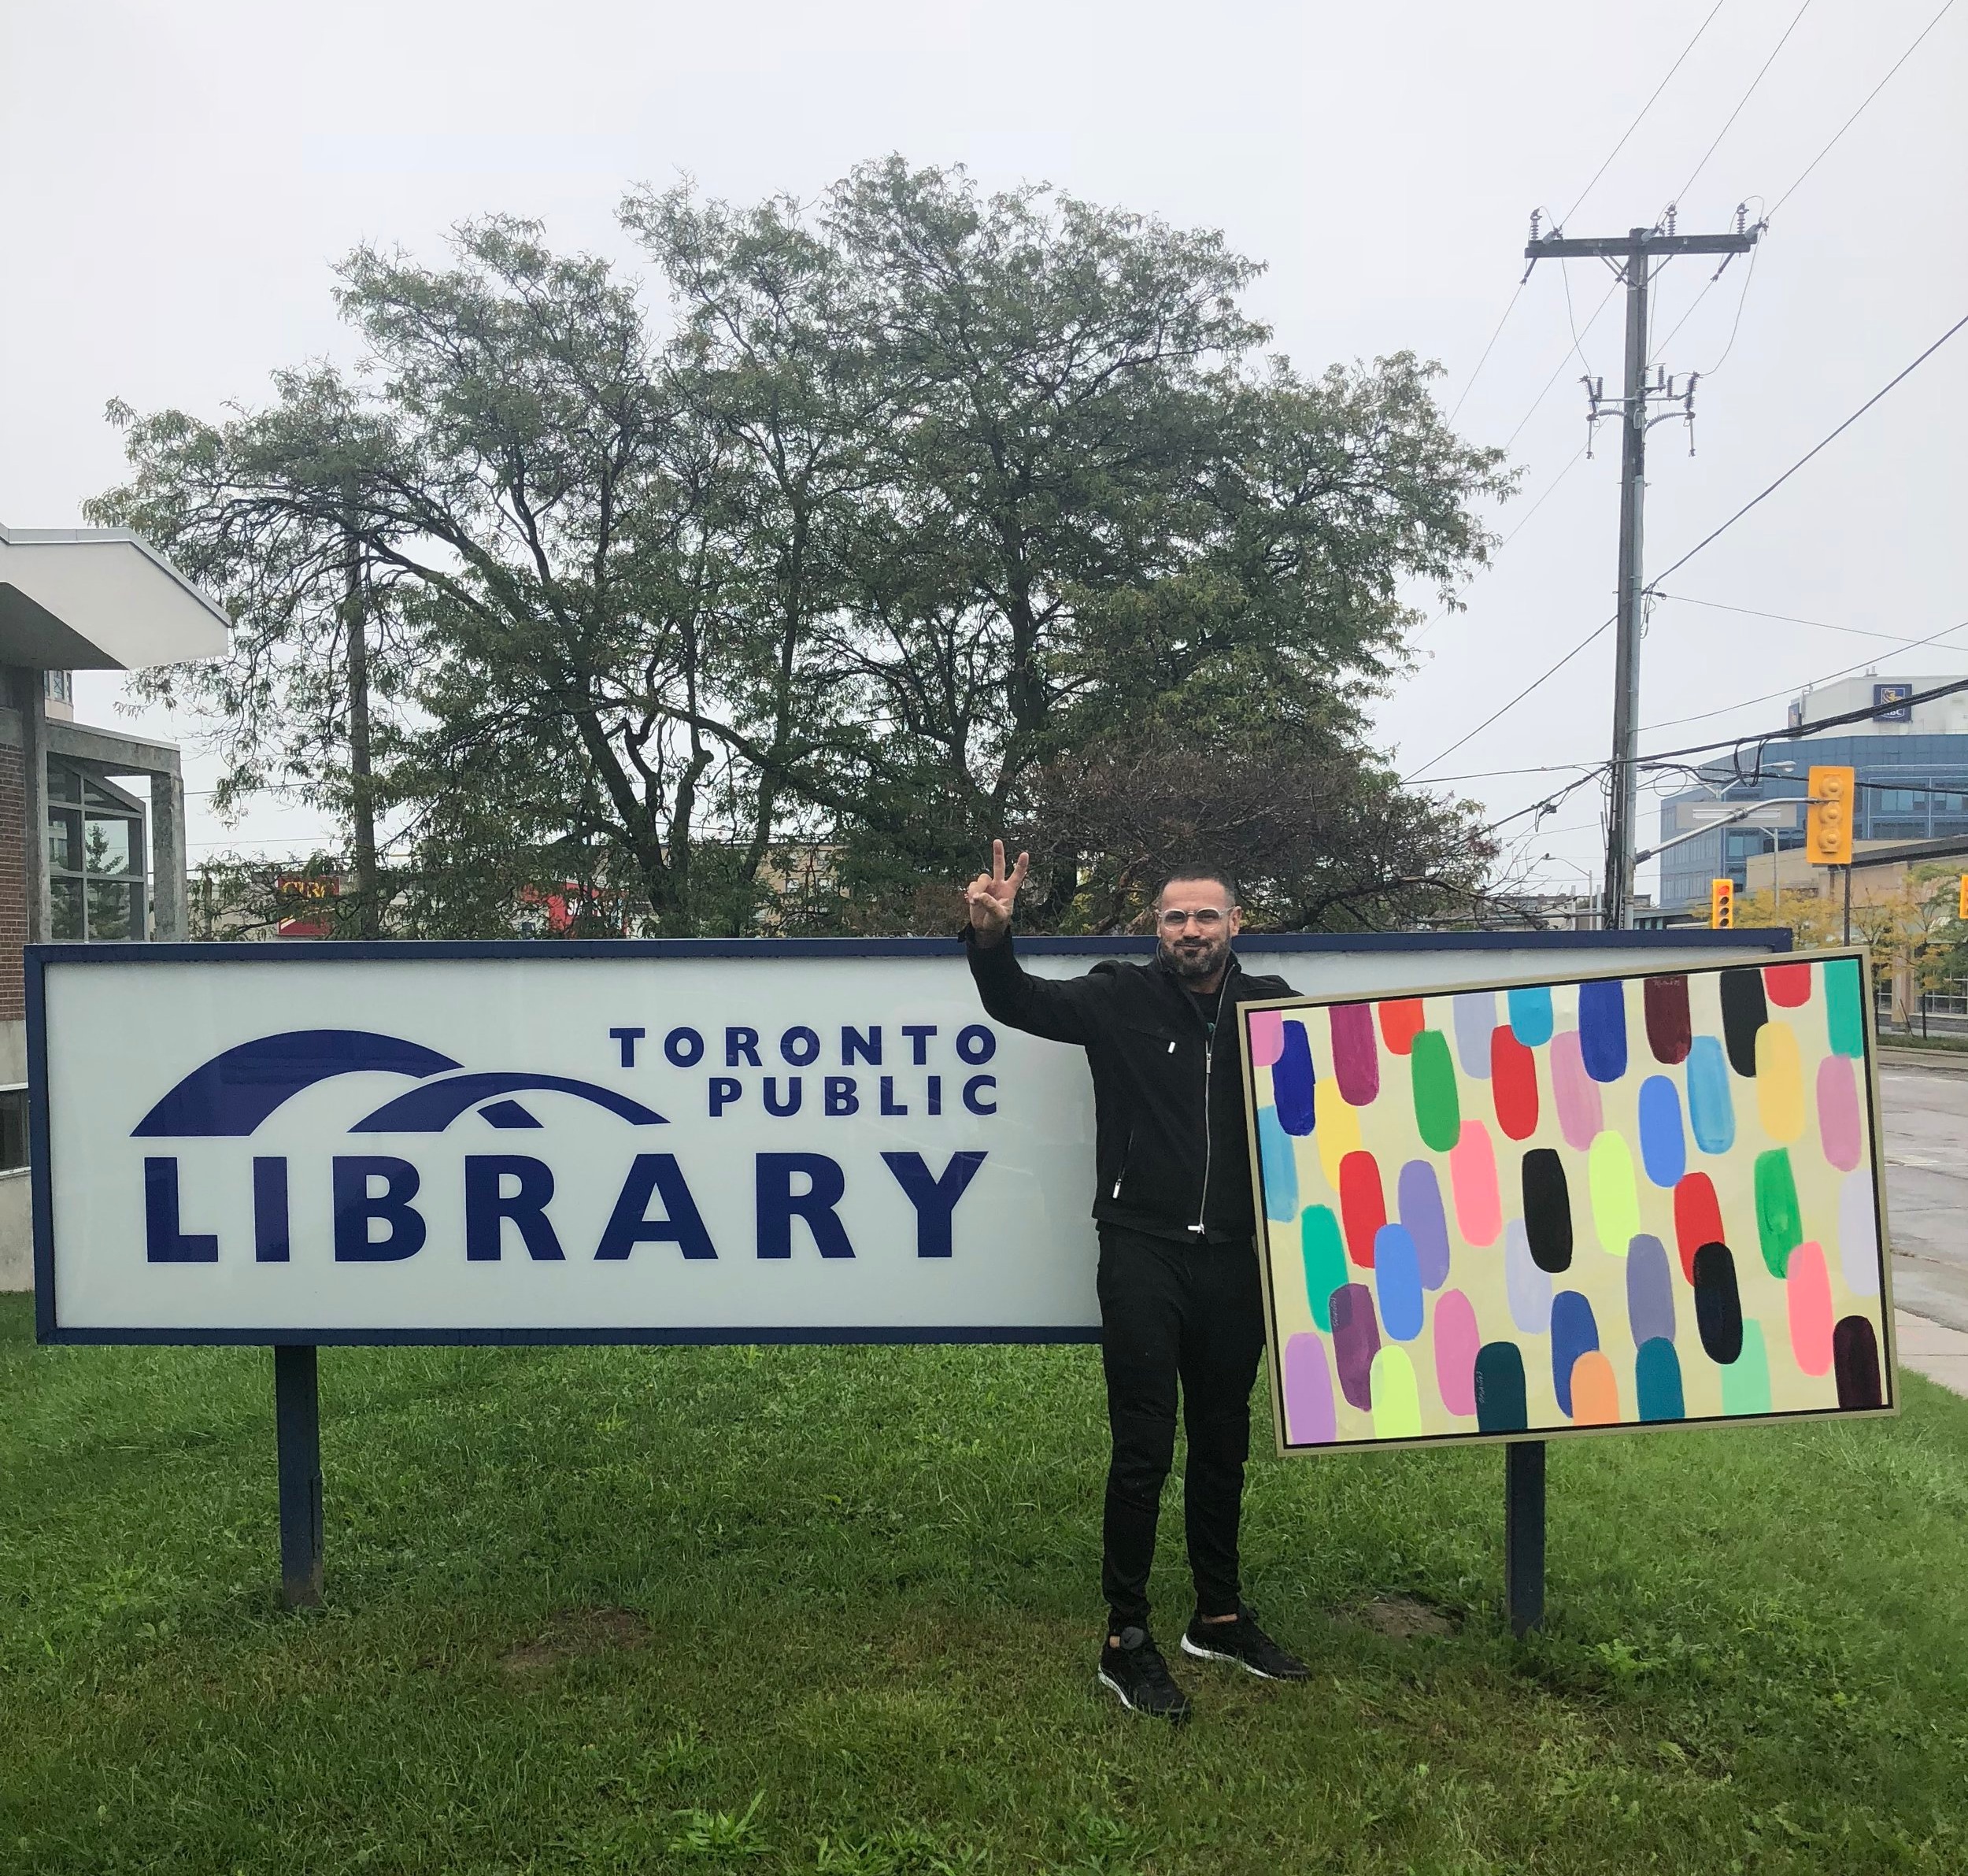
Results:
[37, 958]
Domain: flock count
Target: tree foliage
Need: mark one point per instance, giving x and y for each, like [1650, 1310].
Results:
[916, 516]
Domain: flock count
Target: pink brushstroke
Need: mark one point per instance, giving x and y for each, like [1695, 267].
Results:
[1267, 1036]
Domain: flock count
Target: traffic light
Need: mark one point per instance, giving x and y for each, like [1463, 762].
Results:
[1961, 900]
[1722, 903]
[1828, 820]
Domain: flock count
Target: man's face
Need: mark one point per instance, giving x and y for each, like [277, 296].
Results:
[1196, 923]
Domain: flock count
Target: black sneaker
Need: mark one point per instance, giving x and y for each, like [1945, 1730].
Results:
[1140, 1677]
[1244, 1643]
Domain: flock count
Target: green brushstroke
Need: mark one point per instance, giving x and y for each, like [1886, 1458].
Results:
[1395, 1395]
[1745, 1381]
[1609, 1168]
[1324, 1254]
[1438, 1113]
[1844, 1012]
[1779, 1226]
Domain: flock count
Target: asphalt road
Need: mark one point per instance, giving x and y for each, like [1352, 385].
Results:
[1926, 1122]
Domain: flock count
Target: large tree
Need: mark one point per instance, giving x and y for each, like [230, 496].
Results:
[924, 516]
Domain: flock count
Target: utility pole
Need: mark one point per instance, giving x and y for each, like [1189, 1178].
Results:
[1633, 257]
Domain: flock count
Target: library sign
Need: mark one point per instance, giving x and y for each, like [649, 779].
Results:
[675, 1141]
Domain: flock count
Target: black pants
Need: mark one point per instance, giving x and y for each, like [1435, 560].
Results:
[1173, 1312]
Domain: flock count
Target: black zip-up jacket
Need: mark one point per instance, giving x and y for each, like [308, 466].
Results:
[1171, 1149]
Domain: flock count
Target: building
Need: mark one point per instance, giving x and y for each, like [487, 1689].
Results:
[1912, 768]
[91, 820]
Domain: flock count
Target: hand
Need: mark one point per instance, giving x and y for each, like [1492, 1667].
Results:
[991, 896]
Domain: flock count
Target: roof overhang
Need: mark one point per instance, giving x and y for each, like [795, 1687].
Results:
[99, 599]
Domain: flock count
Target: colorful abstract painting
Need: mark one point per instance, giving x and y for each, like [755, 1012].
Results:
[1618, 1201]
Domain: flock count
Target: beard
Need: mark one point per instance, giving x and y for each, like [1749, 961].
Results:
[1193, 959]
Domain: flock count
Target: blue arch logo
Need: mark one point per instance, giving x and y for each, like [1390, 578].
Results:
[232, 1093]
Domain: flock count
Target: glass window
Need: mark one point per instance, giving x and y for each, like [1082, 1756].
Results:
[96, 858]
[110, 845]
[64, 840]
[65, 897]
[13, 1128]
[115, 909]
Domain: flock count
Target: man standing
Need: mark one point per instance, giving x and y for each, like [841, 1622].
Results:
[1181, 1302]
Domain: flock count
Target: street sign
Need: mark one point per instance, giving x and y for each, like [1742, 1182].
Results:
[1772, 814]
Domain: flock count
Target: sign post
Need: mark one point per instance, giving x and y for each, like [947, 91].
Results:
[297, 1421]
[1524, 1535]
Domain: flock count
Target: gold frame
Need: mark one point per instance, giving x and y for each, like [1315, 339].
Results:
[1882, 1234]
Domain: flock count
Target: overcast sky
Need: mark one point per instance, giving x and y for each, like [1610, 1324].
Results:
[181, 178]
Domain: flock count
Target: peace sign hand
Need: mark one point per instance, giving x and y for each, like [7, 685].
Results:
[991, 896]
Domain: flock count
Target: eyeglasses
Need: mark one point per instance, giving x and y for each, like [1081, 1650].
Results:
[1208, 919]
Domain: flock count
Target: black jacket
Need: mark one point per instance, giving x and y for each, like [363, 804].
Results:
[1161, 1166]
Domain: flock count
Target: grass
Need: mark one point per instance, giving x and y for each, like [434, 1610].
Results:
[1896, 1038]
[833, 1610]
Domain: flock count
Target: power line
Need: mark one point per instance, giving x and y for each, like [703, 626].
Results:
[1535, 768]
[1549, 804]
[1792, 732]
[1823, 625]
[1469, 384]
[1798, 183]
[1742, 300]
[1706, 540]
[1808, 683]
[1514, 702]
[1647, 106]
[1899, 378]
[1733, 115]
[1523, 521]
[1564, 357]
[1870, 96]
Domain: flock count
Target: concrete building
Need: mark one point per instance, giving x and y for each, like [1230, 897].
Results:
[91, 820]
[1912, 765]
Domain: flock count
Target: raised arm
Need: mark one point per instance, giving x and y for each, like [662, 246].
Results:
[1060, 1009]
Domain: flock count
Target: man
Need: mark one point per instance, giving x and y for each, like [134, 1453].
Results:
[1181, 1302]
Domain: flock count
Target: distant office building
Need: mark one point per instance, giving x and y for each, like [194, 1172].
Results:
[1915, 759]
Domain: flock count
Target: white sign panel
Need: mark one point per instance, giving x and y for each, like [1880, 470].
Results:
[564, 1142]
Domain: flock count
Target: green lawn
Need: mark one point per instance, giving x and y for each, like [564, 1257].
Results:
[834, 1610]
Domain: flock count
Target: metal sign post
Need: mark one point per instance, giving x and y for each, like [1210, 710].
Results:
[1524, 1536]
[297, 1420]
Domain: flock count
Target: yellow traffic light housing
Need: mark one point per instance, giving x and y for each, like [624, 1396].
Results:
[1722, 903]
[1828, 820]
[1961, 900]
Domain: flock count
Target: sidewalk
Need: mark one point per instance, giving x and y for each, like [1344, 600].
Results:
[1941, 1354]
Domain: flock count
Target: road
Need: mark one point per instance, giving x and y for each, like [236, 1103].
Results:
[1926, 1122]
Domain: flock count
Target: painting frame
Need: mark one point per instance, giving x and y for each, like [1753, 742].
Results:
[1872, 1161]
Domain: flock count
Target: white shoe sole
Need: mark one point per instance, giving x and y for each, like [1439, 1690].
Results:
[1114, 1688]
[1213, 1654]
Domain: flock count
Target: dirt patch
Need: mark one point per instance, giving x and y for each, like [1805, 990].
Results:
[573, 1632]
[1402, 1618]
